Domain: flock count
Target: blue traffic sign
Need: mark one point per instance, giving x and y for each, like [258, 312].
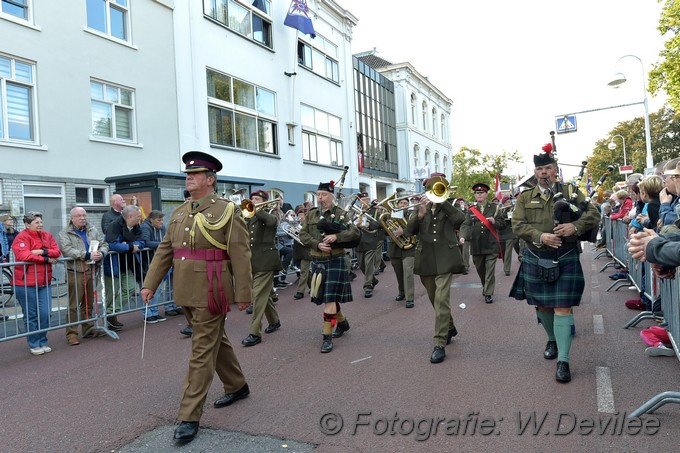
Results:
[566, 124]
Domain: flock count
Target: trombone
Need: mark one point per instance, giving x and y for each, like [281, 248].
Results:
[439, 190]
[413, 202]
[248, 208]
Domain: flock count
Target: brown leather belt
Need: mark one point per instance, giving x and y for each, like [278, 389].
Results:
[213, 259]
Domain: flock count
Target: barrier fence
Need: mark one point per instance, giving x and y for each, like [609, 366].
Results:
[71, 299]
[661, 292]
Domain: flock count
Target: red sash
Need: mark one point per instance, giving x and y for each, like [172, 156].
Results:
[487, 224]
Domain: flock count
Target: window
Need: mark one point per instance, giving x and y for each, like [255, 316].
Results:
[17, 100]
[434, 122]
[17, 8]
[427, 157]
[442, 128]
[416, 155]
[425, 116]
[113, 114]
[321, 137]
[321, 58]
[445, 166]
[241, 115]
[251, 18]
[413, 109]
[436, 162]
[92, 195]
[110, 17]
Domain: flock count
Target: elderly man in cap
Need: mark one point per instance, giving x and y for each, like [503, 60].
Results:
[264, 262]
[550, 276]
[437, 258]
[207, 243]
[372, 237]
[327, 231]
[480, 230]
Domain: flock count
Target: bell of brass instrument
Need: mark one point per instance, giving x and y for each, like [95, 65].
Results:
[392, 224]
[438, 189]
[292, 229]
[248, 208]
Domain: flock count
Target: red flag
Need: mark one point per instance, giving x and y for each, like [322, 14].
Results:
[499, 195]
[360, 152]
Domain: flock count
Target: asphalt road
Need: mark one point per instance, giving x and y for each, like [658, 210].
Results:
[377, 390]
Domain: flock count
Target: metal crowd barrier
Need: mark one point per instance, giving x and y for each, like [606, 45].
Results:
[14, 324]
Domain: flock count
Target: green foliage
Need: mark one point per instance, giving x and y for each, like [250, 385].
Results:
[665, 75]
[665, 137]
[470, 166]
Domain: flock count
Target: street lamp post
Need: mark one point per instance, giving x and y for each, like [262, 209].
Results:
[619, 78]
[612, 146]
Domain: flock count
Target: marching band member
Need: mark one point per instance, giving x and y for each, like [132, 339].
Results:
[327, 230]
[402, 261]
[372, 237]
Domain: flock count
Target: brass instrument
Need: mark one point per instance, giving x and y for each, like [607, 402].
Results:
[391, 224]
[392, 204]
[292, 229]
[439, 189]
[248, 208]
[363, 209]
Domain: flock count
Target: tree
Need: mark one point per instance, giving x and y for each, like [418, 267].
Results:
[665, 75]
[665, 137]
[470, 166]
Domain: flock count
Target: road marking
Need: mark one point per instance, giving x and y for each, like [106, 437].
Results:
[361, 360]
[605, 394]
[595, 298]
[598, 325]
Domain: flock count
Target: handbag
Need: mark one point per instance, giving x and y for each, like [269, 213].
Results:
[548, 270]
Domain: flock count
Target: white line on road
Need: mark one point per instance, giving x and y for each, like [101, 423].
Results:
[595, 298]
[598, 325]
[361, 360]
[605, 394]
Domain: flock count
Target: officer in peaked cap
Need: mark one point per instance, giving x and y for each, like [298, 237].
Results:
[196, 161]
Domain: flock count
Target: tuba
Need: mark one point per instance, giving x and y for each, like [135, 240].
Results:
[392, 224]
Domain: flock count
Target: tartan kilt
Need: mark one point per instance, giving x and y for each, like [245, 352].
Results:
[564, 293]
[335, 286]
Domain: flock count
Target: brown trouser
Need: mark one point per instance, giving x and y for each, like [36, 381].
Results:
[263, 304]
[81, 299]
[438, 289]
[211, 352]
[403, 268]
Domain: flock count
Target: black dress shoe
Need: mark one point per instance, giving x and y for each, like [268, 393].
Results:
[186, 431]
[368, 293]
[249, 310]
[251, 340]
[272, 327]
[488, 299]
[327, 345]
[409, 304]
[550, 350]
[452, 333]
[400, 297]
[465, 272]
[562, 374]
[298, 295]
[188, 331]
[230, 398]
[438, 354]
[341, 328]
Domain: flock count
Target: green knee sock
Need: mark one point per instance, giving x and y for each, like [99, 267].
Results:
[562, 328]
[546, 318]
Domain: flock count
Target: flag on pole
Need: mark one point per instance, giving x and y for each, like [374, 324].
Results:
[298, 17]
[589, 184]
[360, 155]
[499, 195]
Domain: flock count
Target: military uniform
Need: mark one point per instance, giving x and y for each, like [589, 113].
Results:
[265, 261]
[484, 247]
[403, 261]
[437, 257]
[368, 254]
[205, 276]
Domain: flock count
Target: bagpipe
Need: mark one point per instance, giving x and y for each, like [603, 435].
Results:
[326, 226]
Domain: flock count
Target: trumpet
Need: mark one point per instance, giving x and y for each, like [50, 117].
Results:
[248, 208]
[439, 189]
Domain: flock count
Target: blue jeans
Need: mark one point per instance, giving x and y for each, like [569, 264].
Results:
[36, 305]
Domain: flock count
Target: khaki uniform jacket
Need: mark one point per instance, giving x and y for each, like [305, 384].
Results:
[437, 251]
[534, 212]
[371, 235]
[262, 229]
[72, 245]
[311, 236]
[481, 241]
[190, 276]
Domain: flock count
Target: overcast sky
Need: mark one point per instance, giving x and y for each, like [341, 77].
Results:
[510, 67]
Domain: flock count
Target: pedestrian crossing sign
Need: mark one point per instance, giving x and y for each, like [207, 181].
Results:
[566, 123]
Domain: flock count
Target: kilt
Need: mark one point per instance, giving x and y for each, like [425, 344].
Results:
[335, 286]
[565, 292]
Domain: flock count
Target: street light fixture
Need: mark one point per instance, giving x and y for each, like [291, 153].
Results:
[612, 146]
[619, 79]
